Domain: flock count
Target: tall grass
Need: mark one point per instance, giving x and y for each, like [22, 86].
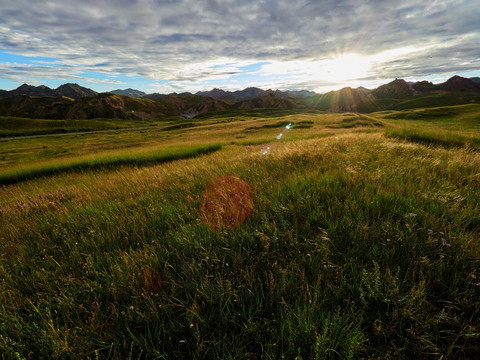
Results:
[12, 126]
[441, 138]
[123, 158]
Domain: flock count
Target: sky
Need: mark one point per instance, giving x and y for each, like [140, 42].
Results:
[192, 45]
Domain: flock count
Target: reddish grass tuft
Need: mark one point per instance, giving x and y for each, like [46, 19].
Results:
[227, 202]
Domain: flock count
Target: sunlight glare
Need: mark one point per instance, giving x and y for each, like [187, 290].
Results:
[345, 67]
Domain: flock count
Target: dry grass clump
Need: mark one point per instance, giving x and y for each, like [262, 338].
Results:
[227, 202]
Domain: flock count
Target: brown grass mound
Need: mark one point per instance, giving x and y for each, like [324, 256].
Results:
[227, 202]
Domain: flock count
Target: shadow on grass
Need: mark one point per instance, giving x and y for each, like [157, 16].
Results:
[445, 140]
[111, 161]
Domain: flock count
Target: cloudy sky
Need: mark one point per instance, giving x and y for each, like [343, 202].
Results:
[190, 45]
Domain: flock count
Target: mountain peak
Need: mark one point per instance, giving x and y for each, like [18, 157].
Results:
[30, 90]
[74, 91]
[129, 92]
[423, 86]
[397, 88]
[25, 86]
[458, 83]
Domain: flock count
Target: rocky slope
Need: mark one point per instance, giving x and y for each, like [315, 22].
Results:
[106, 106]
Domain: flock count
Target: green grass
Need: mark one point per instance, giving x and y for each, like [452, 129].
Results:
[360, 246]
[357, 120]
[255, 113]
[13, 126]
[142, 158]
[10, 126]
[444, 139]
[179, 126]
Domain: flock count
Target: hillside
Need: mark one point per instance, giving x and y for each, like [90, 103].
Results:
[36, 107]
[344, 100]
[397, 89]
[107, 106]
[423, 86]
[458, 83]
[398, 94]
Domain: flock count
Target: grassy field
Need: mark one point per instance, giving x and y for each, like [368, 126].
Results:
[12, 126]
[363, 242]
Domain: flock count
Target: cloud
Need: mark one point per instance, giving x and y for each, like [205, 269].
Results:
[31, 73]
[188, 41]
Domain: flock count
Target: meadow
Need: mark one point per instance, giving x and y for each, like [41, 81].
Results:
[363, 242]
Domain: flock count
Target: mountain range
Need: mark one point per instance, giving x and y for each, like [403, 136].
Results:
[252, 93]
[71, 101]
[398, 95]
[70, 90]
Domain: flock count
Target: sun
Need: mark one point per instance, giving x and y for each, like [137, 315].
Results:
[345, 67]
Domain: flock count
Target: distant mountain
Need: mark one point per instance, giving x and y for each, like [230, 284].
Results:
[73, 91]
[30, 90]
[252, 93]
[220, 94]
[345, 100]
[458, 83]
[475, 79]
[129, 92]
[423, 86]
[108, 106]
[396, 89]
[270, 101]
[156, 96]
[297, 94]
[183, 94]
[364, 89]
